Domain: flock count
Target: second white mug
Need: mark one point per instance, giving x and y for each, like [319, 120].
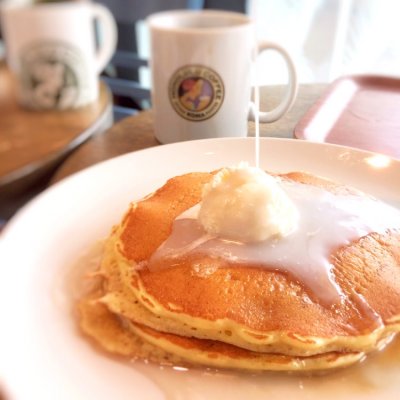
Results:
[52, 50]
[201, 64]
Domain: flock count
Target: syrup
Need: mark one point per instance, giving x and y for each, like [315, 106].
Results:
[257, 124]
[327, 221]
[376, 377]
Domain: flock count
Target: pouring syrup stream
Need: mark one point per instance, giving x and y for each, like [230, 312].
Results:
[257, 124]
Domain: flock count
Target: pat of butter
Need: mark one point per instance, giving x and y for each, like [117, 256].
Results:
[246, 204]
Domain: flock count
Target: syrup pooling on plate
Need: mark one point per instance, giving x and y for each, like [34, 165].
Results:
[327, 221]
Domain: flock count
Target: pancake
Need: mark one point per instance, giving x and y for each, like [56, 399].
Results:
[122, 301]
[108, 331]
[258, 306]
[140, 342]
[216, 354]
[254, 317]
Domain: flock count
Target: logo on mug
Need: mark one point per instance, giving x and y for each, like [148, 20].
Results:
[52, 76]
[196, 92]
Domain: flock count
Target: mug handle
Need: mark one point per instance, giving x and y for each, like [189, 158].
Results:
[108, 35]
[291, 89]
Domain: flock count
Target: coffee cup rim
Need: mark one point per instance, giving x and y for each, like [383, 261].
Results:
[28, 7]
[159, 21]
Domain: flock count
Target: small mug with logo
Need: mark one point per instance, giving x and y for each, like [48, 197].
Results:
[201, 64]
[51, 48]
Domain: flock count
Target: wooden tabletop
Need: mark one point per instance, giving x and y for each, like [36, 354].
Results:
[137, 133]
[29, 138]
[33, 143]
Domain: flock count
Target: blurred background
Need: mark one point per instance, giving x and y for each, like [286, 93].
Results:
[326, 38]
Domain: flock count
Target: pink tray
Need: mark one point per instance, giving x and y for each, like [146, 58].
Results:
[357, 111]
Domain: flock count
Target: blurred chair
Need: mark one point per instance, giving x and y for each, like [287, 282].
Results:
[123, 73]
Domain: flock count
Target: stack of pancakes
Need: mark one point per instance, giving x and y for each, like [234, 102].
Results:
[208, 312]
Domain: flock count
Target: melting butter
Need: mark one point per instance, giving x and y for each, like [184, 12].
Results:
[244, 195]
[327, 221]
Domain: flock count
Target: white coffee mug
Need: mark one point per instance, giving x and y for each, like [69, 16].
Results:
[52, 50]
[201, 64]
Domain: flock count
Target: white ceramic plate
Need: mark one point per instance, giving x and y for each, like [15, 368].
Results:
[43, 356]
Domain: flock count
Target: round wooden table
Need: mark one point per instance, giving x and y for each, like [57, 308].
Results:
[137, 133]
[33, 143]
